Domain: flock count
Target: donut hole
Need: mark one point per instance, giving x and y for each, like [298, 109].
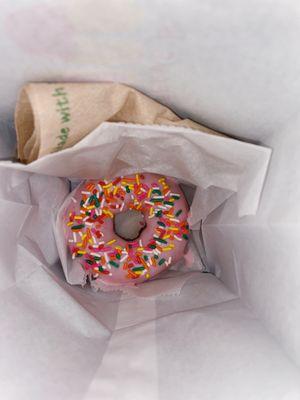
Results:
[129, 224]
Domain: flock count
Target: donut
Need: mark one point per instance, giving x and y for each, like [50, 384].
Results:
[112, 261]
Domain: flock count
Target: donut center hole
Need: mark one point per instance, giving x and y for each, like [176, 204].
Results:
[129, 224]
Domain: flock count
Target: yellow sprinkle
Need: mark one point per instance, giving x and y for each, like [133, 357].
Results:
[139, 206]
[149, 193]
[69, 223]
[137, 179]
[111, 241]
[119, 248]
[137, 272]
[115, 190]
[147, 276]
[90, 241]
[167, 248]
[171, 228]
[107, 212]
[84, 236]
[140, 248]
[170, 215]
[78, 217]
[79, 244]
[90, 207]
[107, 186]
[81, 252]
[166, 237]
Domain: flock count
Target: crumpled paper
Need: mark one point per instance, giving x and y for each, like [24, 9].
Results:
[215, 166]
[51, 117]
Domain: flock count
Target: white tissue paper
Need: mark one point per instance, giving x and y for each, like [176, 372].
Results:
[63, 341]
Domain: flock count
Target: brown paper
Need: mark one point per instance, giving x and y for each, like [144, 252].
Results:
[53, 116]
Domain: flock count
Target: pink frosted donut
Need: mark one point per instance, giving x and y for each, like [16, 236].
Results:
[110, 260]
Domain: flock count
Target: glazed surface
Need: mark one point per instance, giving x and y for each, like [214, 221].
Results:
[111, 260]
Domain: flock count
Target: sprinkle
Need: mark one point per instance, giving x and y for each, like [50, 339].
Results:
[161, 261]
[138, 269]
[177, 238]
[111, 241]
[76, 227]
[114, 264]
[74, 200]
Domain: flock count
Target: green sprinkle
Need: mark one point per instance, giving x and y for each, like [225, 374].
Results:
[161, 240]
[138, 269]
[87, 213]
[146, 258]
[160, 223]
[156, 257]
[158, 213]
[152, 246]
[170, 203]
[91, 199]
[157, 191]
[78, 255]
[100, 268]
[78, 226]
[118, 256]
[97, 203]
[176, 196]
[161, 261]
[114, 264]
[178, 213]
[96, 258]
[156, 200]
[89, 262]
[82, 203]
[185, 236]
[127, 189]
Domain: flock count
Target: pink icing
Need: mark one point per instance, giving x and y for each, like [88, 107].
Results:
[111, 261]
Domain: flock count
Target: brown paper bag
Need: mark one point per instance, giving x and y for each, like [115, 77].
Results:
[53, 116]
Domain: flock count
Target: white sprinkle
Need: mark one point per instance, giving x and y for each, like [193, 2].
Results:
[102, 203]
[149, 202]
[73, 256]
[71, 241]
[122, 206]
[82, 212]
[74, 237]
[150, 261]
[140, 243]
[95, 254]
[124, 258]
[80, 233]
[169, 260]
[94, 239]
[83, 192]
[106, 257]
[148, 251]
[89, 224]
[174, 219]
[177, 238]
[73, 199]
